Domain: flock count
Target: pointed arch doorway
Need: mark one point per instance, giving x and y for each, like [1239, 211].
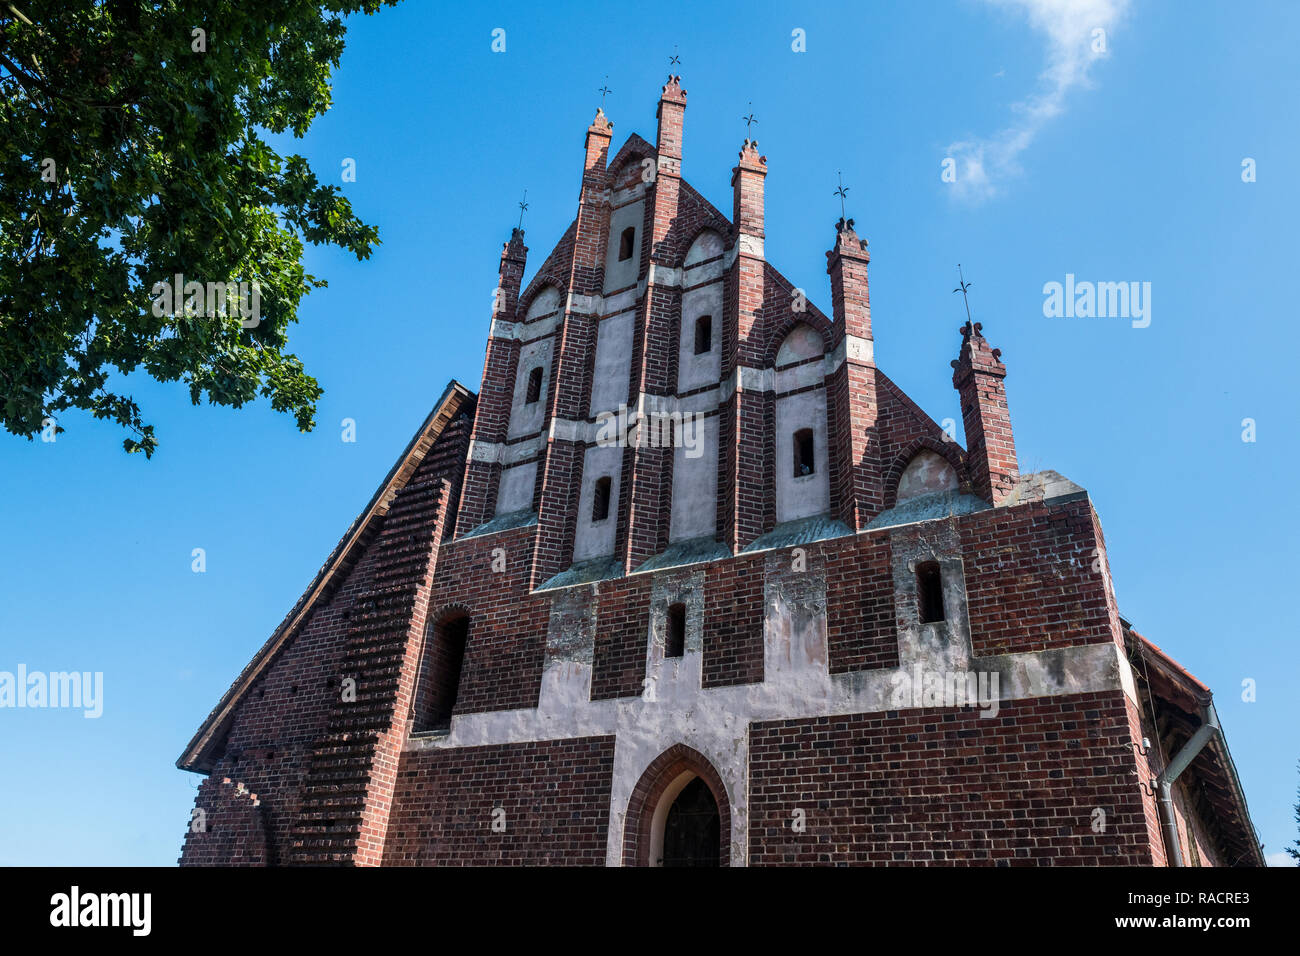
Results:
[679, 814]
[691, 829]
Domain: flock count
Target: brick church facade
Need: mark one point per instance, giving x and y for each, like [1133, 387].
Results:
[809, 629]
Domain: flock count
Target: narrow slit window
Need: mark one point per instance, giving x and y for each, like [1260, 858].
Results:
[600, 500]
[704, 334]
[625, 243]
[675, 640]
[534, 386]
[803, 453]
[929, 592]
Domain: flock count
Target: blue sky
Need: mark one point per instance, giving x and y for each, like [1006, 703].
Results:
[1122, 167]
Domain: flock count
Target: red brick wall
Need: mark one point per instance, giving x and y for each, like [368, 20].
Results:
[978, 376]
[1147, 770]
[903, 428]
[733, 629]
[269, 744]
[733, 622]
[1196, 845]
[930, 786]
[622, 637]
[502, 668]
[861, 631]
[1030, 583]
[555, 795]
[228, 828]
[347, 790]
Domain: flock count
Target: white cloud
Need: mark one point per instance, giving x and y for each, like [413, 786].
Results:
[984, 165]
[1279, 859]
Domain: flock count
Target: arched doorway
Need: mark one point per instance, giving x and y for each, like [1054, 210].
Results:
[690, 836]
[679, 814]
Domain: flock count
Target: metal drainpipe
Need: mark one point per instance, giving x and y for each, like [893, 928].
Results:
[1209, 729]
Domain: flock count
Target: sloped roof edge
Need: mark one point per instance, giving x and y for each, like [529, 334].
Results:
[198, 755]
[1188, 693]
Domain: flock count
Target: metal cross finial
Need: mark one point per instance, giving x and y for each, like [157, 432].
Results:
[603, 91]
[674, 60]
[842, 192]
[749, 120]
[523, 208]
[963, 287]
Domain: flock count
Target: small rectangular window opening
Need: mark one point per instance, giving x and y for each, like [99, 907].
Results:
[803, 453]
[534, 386]
[703, 334]
[625, 243]
[675, 640]
[929, 592]
[600, 500]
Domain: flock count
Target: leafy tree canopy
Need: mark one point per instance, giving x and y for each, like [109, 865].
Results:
[131, 153]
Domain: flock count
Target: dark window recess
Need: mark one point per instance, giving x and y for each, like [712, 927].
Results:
[803, 452]
[693, 828]
[534, 386]
[675, 641]
[444, 659]
[929, 592]
[703, 334]
[625, 243]
[600, 501]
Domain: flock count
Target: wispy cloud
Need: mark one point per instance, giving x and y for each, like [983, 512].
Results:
[983, 166]
[1279, 859]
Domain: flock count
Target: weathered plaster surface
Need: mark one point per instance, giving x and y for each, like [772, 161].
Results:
[696, 371]
[515, 492]
[526, 417]
[799, 496]
[801, 343]
[695, 484]
[595, 538]
[927, 472]
[609, 381]
[619, 275]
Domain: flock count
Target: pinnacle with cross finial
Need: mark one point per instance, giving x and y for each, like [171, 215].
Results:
[842, 191]
[963, 287]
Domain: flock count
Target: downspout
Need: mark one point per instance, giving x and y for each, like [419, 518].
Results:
[1208, 730]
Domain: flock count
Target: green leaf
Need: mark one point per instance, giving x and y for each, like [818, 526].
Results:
[163, 168]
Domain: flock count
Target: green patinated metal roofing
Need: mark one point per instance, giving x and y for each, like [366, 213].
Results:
[515, 519]
[938, 504]
[800, 531]
[585, 572]
[689, 551]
